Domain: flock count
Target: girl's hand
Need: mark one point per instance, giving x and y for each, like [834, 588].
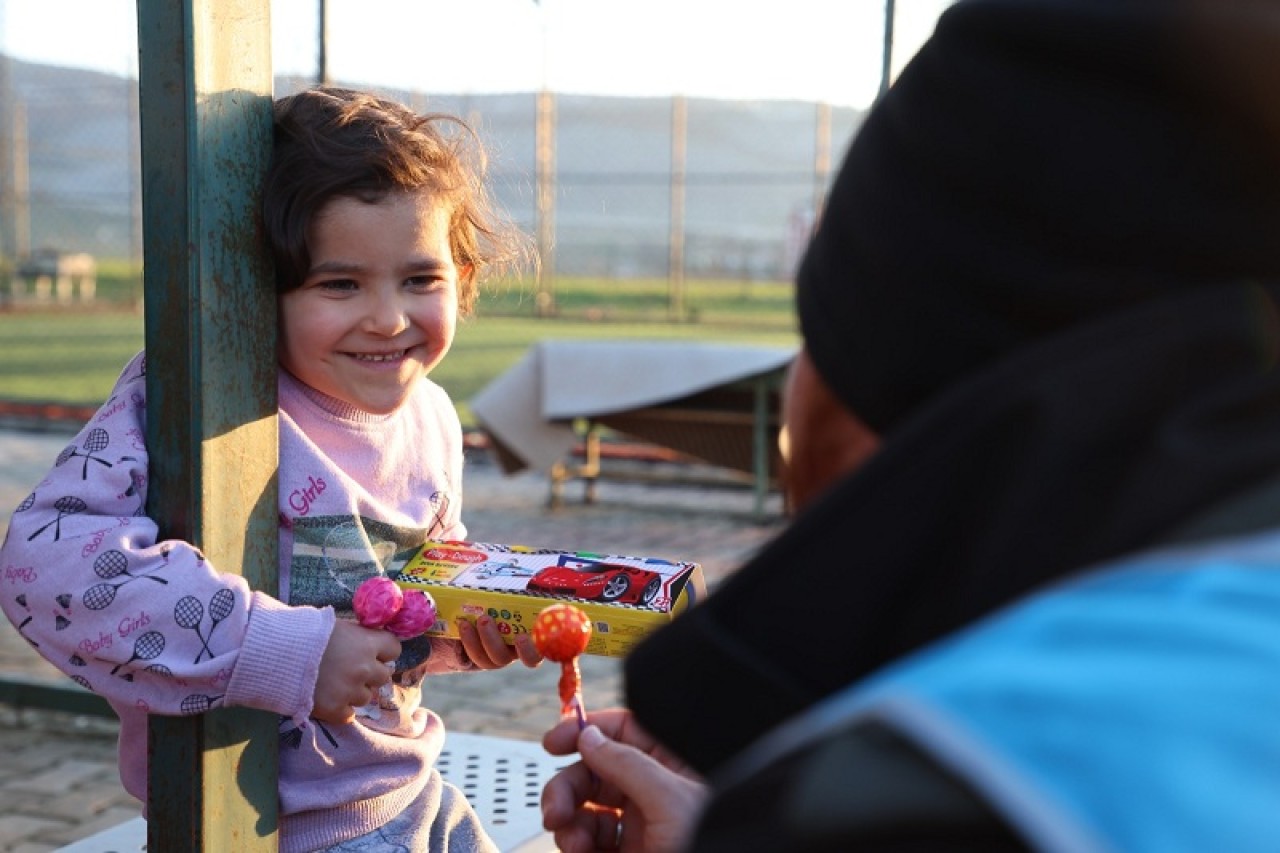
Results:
[487, 649]
[354, 665]
[627, 792]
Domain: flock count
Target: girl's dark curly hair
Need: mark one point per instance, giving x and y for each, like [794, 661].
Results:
[332, 142]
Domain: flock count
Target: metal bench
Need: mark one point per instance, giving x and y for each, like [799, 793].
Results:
[57, 274]
[501, 777]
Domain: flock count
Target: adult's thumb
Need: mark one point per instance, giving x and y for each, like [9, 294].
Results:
[639, 777]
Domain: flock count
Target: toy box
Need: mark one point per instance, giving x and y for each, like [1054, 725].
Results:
[625, 597]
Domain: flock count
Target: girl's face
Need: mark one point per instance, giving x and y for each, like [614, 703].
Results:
[378, 308]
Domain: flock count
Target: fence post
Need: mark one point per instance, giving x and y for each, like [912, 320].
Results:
[676, 235]
[544, 134]
[6, 190]
[205, 114]
[20, 169]
[821, 161]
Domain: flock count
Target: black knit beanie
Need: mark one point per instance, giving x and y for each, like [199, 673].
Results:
[1038, 164]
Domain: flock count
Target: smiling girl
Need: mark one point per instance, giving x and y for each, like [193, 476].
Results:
[380, 227]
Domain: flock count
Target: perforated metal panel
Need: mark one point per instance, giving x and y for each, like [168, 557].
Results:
[127, 837]
[503, 780]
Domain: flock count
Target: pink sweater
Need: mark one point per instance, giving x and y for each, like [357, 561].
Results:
[155, 628]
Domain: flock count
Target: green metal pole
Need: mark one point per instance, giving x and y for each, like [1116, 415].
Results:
[205, 111]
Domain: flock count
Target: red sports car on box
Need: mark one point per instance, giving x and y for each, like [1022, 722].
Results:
[608, 582]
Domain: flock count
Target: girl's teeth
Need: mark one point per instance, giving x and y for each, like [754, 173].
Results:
[388, 357]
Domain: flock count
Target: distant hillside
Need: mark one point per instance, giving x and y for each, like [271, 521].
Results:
[750, 171]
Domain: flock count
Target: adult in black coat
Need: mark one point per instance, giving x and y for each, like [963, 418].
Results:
[1040, 333]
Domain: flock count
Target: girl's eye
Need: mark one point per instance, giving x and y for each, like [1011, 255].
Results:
[339, 285]
[424, 282]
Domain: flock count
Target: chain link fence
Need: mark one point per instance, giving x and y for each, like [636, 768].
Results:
[640, 188]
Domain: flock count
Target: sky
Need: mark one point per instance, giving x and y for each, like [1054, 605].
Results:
[819, 50]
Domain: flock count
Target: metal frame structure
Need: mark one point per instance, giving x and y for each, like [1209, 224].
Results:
[205, 86]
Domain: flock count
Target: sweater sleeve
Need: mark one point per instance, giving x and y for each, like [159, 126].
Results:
[145, 622]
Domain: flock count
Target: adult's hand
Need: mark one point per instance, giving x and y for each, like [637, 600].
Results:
[356, 662]
[627, 793]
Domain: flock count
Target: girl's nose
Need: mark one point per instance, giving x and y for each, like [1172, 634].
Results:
[386, 315]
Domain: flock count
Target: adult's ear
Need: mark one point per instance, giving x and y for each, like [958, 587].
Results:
[821, 439]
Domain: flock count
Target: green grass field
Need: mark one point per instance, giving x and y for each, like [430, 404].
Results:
[76, 356]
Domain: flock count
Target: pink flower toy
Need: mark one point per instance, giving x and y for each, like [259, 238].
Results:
[380, 603]
[377, 601]
[417, 614]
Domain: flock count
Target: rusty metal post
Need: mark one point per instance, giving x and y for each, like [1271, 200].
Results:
[21, 171]
[7, 252]
[886, 56]
[205, 110]
[676, 228]
[821, 160]
[322, 44]
[544, 130]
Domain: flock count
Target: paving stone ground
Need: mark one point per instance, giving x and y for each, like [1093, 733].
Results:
[58, 780]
